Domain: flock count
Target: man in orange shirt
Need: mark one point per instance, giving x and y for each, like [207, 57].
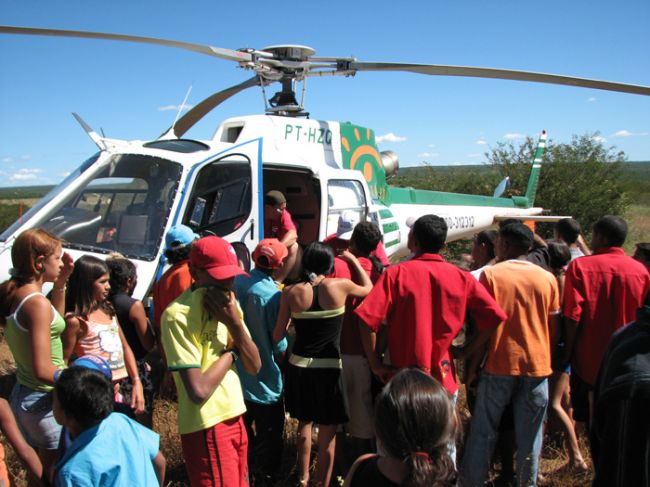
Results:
[518, 358]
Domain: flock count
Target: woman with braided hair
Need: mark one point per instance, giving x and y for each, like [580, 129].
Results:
[414, 423]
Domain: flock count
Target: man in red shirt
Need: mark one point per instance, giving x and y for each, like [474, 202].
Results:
[424, 301]
[279, 224]
[601, 294]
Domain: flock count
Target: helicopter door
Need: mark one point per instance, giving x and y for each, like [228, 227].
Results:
[344, 195]
[223, 202]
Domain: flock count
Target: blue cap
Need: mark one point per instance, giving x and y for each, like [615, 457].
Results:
[94, 362]
[179, 236]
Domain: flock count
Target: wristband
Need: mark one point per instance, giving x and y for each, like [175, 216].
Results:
[57, 374]
[59, 289]
[136, 379]
[232, 352]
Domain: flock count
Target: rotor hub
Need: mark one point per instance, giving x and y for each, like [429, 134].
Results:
[290, 52]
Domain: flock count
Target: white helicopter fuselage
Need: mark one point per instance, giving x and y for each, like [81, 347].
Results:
[125, 198]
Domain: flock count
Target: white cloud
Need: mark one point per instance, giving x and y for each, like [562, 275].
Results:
[175, 108]
[591, 99]
[599, 139]
[10, 159]
[428, 154]
[481, 142]
[627, 133]
[25, 174]
[514, 136]
[431, 146]
[389, 137]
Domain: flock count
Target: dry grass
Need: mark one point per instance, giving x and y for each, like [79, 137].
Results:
[638, 220]
[552, 462]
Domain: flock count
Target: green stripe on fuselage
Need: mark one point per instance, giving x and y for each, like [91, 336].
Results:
[385, 214]
[425, 197]
[391, 243]
[390, 227]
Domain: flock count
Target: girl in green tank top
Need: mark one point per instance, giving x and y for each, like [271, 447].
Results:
[33, 332]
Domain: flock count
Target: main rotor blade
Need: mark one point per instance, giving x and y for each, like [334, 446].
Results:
[195, 114]
[229, 54]
[442, 70]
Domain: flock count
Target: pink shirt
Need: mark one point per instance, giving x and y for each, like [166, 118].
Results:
[103, 340]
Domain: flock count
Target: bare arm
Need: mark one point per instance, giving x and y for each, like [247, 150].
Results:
[582, 245]
[369, 342]
[570, 333]
[474, 352]
[70, 336]
[201, 385]
[362, 289]
[282, 321]
[290, 238]
[137, 394]
[142, 328]
[229, 315]
[25, 453]
[58, 291]
[36, 316]
[159, 465]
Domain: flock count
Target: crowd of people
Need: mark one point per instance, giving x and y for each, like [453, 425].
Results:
[367, 355]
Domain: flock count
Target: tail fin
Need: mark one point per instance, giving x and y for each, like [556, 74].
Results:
[533, 179]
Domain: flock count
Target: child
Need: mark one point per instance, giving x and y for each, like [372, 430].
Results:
[135, 326]
[33, 326]
[108, 448]
[414, 422]
[91, 326]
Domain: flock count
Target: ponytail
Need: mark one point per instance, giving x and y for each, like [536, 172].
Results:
[434, 469]
[377, 266]
[7, 294]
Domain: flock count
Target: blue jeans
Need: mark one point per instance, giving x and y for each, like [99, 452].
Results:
[33, 412]
[529, 396]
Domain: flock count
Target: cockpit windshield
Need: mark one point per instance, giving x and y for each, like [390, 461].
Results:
[123, 207]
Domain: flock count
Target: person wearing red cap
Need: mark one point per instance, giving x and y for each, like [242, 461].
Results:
[259, 298]
[203, 336]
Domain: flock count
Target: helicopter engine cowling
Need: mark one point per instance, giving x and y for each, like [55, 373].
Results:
[390, 161]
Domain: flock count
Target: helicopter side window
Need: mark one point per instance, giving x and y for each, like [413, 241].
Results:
[221, 200]
[344, 195]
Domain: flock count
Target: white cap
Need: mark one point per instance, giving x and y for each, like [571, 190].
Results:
[410, 221]
[347, 221]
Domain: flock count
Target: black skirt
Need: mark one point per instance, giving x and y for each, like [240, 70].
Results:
[315, 394]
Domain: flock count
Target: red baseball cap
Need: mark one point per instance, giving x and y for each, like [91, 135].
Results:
[216, 256]
[273, 251]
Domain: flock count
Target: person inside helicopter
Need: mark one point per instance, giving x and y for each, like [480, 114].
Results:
[279, 224]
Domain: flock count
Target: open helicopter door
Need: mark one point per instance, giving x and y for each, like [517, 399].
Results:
[224, 198]
[346, 194]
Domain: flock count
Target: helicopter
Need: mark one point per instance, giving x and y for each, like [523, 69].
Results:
[125, 197]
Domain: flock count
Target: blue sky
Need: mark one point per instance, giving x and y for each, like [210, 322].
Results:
[127, 90]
